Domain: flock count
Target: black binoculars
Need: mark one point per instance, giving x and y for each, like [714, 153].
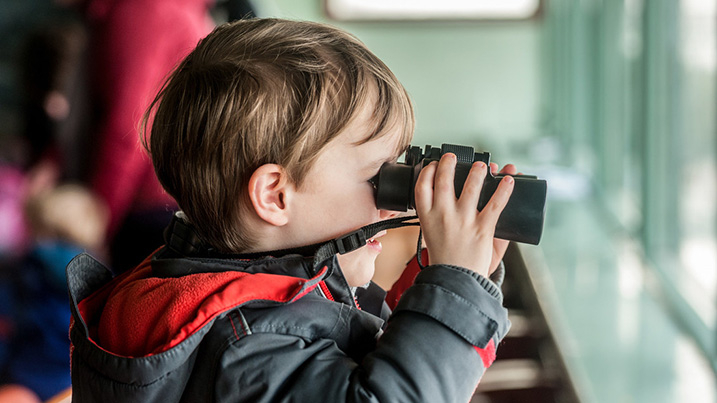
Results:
[523, 216]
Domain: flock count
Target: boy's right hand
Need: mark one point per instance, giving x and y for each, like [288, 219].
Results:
[456, 232]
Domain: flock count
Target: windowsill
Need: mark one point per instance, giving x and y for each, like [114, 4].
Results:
[618, 343]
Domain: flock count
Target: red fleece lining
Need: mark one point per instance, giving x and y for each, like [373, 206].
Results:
[140, 315]
[487, 354]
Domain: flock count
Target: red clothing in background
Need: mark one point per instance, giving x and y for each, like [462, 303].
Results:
[134, 46]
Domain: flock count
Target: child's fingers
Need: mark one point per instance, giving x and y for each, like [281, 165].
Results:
[472, 187]
[509, 169]
[424, 188]
[444, 193]
[498, 201]
[493, 168]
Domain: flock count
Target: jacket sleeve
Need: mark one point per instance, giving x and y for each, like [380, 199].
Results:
[435, 348]
[413, 268]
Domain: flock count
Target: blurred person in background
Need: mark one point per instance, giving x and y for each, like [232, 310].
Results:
[64, 221]
[55, 124]
[45, 225]
[133, 46]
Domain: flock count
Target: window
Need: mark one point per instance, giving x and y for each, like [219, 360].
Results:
[631, 95]
[429, 9]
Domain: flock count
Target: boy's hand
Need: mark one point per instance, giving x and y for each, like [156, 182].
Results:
[456, 232]
[500, 245]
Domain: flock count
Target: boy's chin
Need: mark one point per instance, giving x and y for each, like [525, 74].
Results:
[358, 268]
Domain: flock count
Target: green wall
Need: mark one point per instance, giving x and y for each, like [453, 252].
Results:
[472, 82]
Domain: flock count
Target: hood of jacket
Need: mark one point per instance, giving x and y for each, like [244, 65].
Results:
[166, 301]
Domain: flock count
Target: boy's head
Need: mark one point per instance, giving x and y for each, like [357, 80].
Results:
[265, 92]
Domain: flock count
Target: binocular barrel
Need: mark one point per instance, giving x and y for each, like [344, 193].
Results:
[522, 218]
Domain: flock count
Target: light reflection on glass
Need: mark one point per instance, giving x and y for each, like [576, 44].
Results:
[697, 251]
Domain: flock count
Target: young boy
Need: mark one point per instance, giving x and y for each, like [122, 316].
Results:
[267, 135]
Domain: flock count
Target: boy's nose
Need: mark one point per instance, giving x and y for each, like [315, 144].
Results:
[386, 214]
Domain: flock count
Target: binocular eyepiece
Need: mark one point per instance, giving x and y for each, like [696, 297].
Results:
[523, 216]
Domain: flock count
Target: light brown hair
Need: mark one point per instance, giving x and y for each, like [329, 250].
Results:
[255, 92]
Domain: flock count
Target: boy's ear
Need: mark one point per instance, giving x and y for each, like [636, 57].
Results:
[269, 186]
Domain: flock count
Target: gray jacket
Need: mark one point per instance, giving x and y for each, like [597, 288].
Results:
[275, 330]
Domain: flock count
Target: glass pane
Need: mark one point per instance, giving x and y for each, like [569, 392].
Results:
[697, 254]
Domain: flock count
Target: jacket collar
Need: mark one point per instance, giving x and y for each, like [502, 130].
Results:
[167, 264]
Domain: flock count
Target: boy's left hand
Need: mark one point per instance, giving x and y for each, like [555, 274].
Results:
[500, 245]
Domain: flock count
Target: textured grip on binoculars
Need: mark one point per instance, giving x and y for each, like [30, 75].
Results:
[462, 153]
